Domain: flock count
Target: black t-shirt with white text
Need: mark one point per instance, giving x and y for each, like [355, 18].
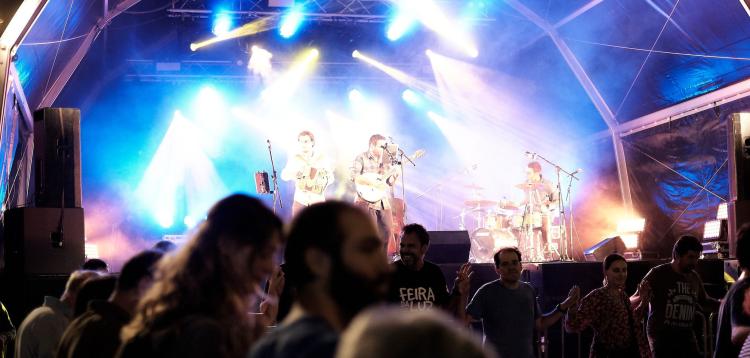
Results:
[418, 290]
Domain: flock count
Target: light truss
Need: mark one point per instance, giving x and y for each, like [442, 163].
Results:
[372, 11]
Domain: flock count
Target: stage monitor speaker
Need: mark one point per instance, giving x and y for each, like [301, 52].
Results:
[57, 158]
[607, 246]
[448, 247]
[34, 246]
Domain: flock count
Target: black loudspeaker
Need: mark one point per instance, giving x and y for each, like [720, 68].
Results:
[738, 206]
[739, 156]
[607, 246]
[57, 158]
[448, 247]
[36, 243]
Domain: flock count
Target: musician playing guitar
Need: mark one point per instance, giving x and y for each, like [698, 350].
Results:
[311, 172]
[374, 175]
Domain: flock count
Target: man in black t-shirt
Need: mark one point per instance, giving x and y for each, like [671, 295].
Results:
[419, 284]
[676, 293]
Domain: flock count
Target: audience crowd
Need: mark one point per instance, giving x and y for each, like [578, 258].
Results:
[225, 293]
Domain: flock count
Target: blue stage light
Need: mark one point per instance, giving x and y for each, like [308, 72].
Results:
[291, 22]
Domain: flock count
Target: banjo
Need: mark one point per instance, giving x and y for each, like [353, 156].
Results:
[373, 187]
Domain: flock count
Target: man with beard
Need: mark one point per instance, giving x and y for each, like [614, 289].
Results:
[676, 291]
[336, 262]
[509, 310]
[419, 284]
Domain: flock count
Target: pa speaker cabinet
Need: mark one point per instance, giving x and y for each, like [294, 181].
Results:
[57, 157]
[448, 247]
[30, 248]
[607, 246]
[738, 152]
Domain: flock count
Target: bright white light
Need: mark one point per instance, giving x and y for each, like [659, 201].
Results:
[355, 96]
[631, 225]
[712, 229]
[402, 23]
[721, 213]
[91, 251]
[355, 54]
[285, 86]
[435, 19]
[260, 61]
[630, 241]
[189, 221]
[165, 219]
[435, 117]
[291, 22]
[411, 98]
[222, 25]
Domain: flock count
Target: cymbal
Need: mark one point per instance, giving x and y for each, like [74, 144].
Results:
[479, 203]
[530, 186]
[473, 186]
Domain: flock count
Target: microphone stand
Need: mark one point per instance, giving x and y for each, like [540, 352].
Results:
[565, 241]
[275, 191]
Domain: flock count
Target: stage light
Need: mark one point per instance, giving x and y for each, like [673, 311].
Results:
[428, 52]
[712, 229]
[291, 22]
[631, 225]
[721, 212]
[260, 61]
[189, 221]
[434, 18]
[91, 251]
[222, 24]
[355, 54]
[411, 98]
[402, 23]
[355, 96]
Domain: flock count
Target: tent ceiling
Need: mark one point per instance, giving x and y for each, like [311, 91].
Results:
[641, 55]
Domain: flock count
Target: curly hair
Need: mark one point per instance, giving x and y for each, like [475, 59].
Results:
[201, 278]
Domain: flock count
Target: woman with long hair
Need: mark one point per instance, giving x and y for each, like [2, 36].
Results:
[617, 325]
[200, 302]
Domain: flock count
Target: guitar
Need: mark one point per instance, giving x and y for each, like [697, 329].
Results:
[312, 180]
[372, 187]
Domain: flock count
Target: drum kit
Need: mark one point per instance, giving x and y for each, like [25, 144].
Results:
[494, 224]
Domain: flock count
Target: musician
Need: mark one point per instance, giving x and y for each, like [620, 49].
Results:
[374, 175]
[310, 170]
[540, 198]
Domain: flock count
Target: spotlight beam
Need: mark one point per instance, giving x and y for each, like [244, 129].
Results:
[251, 28]
[290, 81]
[410, 81]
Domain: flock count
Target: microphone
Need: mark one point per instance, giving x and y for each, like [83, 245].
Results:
[579, 170]
[530, 155]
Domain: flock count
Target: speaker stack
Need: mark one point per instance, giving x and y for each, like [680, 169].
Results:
[46, 238]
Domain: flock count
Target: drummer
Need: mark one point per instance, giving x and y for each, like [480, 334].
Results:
[539, 200]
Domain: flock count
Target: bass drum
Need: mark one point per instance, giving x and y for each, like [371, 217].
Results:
[485, 243]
